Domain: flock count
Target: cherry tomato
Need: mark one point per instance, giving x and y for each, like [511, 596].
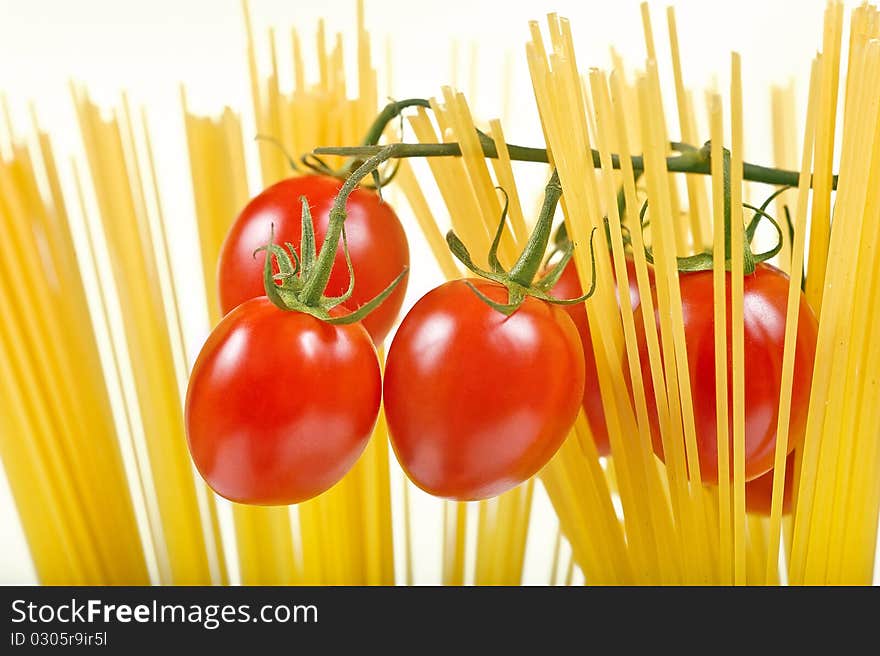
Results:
[765, 295]
[759, 492]
[280, 404]
[569, 286]
[477, 402]
[376, 242]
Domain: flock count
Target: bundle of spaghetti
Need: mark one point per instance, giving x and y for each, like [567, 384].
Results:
[650, 550]
[710, 538]
[58, 440]
[183, 525]
[838, 498]
[316, 114]
[345, 536]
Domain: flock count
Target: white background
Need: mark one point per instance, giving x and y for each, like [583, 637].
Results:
[149, 47]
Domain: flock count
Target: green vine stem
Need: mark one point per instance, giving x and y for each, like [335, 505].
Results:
[695, 160]
[530, 260]
[390, 112]
[315, 285]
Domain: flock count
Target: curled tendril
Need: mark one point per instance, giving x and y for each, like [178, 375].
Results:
[316, 164]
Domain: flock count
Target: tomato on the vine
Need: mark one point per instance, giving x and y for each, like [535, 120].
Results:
[765, 295]
[280, 404]
[569, 286]
[376, 242]
[476, 401]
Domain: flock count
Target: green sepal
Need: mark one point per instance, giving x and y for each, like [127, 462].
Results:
[333, 301]
[583, 297]
[642, 212]
[307, 239]
[515, 297]
[760, 213]
[548, 298]
[553, 276]
[461, 253]
[494, 263]
[280, 295]
[753, 224]
[520, 281]
[296, 261]
[370, 305]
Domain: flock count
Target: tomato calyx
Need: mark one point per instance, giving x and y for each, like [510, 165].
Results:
[703, 260]
[302, 278]
[520, 280]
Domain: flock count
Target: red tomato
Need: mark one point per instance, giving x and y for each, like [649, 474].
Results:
[376, 242]
[478, 402]
[280, 404]
[759, 492]
[764, 303]
[569, 286]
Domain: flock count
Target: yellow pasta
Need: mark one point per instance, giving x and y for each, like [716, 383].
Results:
[125, 505]
[67, 491]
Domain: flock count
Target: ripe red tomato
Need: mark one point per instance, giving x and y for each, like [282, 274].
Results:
[569, 286]
[477, 402]
[280, 404]
[376, 242]
[759, 492]
[764, 304]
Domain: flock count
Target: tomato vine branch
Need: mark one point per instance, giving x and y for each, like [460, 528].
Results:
[690, 160]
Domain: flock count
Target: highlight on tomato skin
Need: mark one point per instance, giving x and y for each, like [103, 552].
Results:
[476, 401]
[765, 297]
[376, 241]
[569, 286]
[280, 404]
